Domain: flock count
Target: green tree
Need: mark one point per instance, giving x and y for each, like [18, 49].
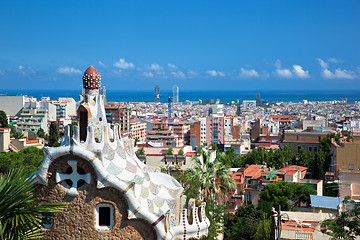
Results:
[245, 223]
[29, 159]
[318, 165]
[170, 151]
[215, 180]
[21, 217]
[286, 194]
[141, 151]
[54, 135]
[41, 133]
[346, 224]
[263, 231]
[181, 152]
[325, 146]
[3, 120]
[14, 133]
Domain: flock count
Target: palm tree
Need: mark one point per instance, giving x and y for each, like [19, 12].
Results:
[214, 177]
[21, 217]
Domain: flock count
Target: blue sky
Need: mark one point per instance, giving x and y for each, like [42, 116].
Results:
[198, 45]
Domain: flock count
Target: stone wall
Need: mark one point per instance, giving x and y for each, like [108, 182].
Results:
[77, 221]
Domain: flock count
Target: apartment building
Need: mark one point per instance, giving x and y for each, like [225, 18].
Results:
[115, 113]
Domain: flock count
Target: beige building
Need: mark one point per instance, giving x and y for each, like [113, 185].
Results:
[308, 140]
[345, 155]
[4, 139]
[137, 131]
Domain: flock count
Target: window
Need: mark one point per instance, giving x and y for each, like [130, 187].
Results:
[104, 217]
[299, 147]
[310, 148]
[351, 166]
[297, 137]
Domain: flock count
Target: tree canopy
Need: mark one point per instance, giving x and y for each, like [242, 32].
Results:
[3, 119]
[29, 159]
[286, 194]
[346, 224]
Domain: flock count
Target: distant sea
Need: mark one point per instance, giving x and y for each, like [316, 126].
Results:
[223, 96]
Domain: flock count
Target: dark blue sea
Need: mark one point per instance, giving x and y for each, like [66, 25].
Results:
[223, 96]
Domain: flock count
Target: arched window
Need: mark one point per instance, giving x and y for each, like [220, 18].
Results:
[83, 122]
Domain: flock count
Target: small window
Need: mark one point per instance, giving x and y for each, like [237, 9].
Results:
[351, 166]
[310, 148]
[297, 137]
[104, 217]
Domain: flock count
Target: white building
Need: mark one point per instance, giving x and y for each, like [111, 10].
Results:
[175, 94]
[12, 105]
[248, 105]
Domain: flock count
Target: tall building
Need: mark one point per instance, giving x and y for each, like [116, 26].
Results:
[115, 113]
[175, 94]
[157, 93]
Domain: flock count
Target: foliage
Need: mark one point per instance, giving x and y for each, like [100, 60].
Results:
[325, 147]
[181, 152]
[346, 224]
[29, 159]
[215, 180]
[32, 135]
[246, 223]
[318, 166]
[54, 135]
[141, 151]
[229, 158]
[349, 138]
[209, 181]
[14, 133]
[286, 194]
[41, 133]
[215, 213]
[20, 215]
[74, 123]
[170, 151]
[263, 231]
[214, 147]
[331, 189]
[3, 120]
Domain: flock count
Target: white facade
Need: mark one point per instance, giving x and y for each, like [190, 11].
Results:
[202, 131]
[12, 105]
[248, 105]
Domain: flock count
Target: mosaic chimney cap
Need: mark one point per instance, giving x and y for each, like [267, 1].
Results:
[91, 78]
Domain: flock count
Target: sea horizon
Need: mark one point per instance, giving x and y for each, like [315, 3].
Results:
[225, 96]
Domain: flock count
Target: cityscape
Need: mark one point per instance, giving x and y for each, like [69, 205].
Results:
[229, 135]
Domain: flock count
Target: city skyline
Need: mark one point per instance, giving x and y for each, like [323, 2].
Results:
[136, 45]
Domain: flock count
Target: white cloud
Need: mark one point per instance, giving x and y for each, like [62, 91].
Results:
[101, 64]
[178, 74]
[172, 66]
[148, 74]
[156, 67]
[248, 73]
[192, 73]
[20, 67]
[68, 70]
[283, 72]
[300, 72]
[214, 73]
[123, 64]
[339, 73]
[278, 63]
[322, 63]
[333, 60]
